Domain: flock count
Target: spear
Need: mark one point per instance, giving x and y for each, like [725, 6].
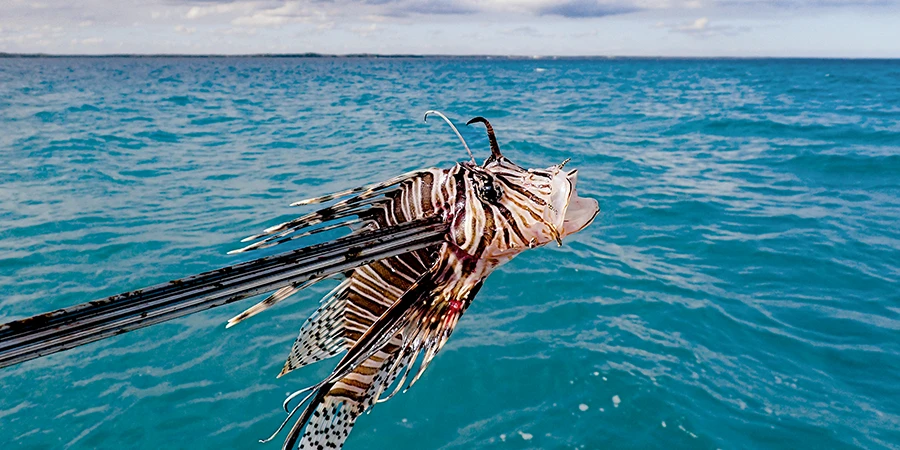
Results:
[67, 328]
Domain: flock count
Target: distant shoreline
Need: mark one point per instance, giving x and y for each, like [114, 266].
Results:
[413, 56]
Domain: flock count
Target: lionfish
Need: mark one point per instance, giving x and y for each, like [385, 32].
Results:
[393, 315]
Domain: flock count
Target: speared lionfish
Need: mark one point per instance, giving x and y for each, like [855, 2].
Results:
[394, 314]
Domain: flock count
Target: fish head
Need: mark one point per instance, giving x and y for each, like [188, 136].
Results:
[508, 209]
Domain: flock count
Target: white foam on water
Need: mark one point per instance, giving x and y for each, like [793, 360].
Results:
[616, 400]
[583, 407]
[526, 436]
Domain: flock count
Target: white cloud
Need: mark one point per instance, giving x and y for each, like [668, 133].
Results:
[236, 31]
[523, 31]
[261, 20]
[366, 30]
[197, 12]
[88, 41]
[698, 25]
[289, 12]
[185, 30]
[701, 28]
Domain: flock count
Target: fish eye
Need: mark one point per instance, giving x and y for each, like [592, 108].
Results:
[490, 192]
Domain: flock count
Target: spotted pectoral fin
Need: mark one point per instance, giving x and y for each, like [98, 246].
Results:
[353, 307]
[346, 375]
[322, 335]
[404, 340]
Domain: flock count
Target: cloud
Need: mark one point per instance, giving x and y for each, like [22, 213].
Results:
[236, 31]
[197, 12]
[88, 41]
[406, 8]
[808, 4]
[699, 25]
[288, 12]
[185, 30]
[365, 31]
[437, 7]
[701, 28]
[523, 31]
[587, 8]
[270, 13]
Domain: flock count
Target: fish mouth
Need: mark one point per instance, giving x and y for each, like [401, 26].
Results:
[567, 213]
[580, 211]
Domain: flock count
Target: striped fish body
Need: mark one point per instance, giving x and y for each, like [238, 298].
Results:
[369, 290]
[392, 316]
[367, 293]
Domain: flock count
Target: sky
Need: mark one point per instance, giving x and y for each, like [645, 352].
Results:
[707, 28]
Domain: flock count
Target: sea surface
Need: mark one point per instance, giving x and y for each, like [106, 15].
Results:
[738, 290]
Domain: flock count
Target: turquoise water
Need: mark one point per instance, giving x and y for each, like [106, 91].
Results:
[738, 290]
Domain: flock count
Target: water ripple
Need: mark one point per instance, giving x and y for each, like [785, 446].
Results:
[738, 290]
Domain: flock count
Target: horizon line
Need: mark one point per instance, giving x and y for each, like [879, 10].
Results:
[409, 55]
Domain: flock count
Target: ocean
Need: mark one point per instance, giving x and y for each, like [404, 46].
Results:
[739, 288]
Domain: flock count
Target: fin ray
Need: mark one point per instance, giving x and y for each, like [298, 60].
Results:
[271, 300]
